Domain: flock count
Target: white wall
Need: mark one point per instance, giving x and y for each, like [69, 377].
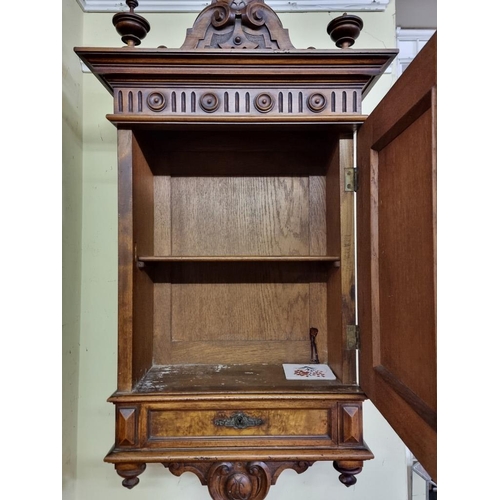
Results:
[382, 479]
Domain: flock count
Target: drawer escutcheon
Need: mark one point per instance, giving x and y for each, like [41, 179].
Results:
[238, 420]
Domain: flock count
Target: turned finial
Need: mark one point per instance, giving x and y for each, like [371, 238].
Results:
[344, 30]
[130, 25]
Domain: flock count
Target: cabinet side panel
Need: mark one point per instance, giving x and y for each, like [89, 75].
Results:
[125, 260]
[341, 282]
[143, 235]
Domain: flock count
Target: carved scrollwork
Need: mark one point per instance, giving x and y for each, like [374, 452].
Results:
[237, 24]
[254, 15]
[239, 481]
[222, 16]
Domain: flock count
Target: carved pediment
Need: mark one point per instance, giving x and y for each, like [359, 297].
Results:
[237, 24]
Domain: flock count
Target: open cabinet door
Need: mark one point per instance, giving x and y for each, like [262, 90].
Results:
[396, 230]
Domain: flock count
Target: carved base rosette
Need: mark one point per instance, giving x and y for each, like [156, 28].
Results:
[238, 480]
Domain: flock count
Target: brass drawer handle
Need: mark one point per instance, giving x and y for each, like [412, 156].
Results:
[238, 420]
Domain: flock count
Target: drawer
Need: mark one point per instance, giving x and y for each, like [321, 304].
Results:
[244, 426]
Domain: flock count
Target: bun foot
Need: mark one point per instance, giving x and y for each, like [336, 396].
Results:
[348, 468]
[129, 472]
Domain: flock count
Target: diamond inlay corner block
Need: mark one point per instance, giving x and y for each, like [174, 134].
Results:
[126, 426]
[350, 423]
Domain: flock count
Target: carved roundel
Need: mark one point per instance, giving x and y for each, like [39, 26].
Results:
[264, 102]
[209, 102]
[316, 102]
[156, 101]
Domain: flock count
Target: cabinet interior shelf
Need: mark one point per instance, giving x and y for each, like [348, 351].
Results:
[238, 258]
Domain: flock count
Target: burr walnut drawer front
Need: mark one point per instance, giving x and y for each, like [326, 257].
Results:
[183, 427]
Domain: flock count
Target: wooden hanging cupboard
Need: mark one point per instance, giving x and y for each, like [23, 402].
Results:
[249, 236]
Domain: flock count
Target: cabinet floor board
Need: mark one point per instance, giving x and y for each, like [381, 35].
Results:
[231, 378]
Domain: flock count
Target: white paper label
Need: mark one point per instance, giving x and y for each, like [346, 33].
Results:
[308, 372]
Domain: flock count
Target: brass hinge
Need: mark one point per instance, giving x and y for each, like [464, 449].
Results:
[350, 179]
[352, 337]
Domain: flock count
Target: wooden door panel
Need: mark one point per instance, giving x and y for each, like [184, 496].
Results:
[406, 287]
[396, 257]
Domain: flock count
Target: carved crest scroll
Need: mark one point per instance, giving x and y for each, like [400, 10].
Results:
[237, 24]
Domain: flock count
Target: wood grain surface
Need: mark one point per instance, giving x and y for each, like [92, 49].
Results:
[240, 216]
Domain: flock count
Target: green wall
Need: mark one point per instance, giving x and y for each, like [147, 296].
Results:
[72, 164]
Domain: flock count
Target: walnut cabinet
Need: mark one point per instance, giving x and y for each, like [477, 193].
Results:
[256, 202]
